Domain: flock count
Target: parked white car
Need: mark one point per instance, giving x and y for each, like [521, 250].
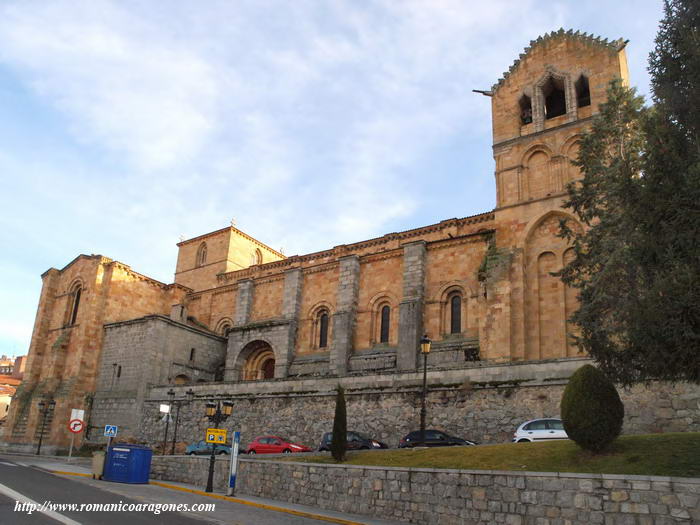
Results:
[543, 429]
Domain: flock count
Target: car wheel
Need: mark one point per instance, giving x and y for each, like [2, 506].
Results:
[364, 448]
[251, 452]
[524, 441]
[286, 451]
[190, 453]
[222, 452]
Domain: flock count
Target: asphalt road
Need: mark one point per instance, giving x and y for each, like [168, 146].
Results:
[19, 482]
[41, 486]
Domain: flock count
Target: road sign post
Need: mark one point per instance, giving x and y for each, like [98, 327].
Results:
[234, 464]
[216, 436]
[75, 425]
[111, 432]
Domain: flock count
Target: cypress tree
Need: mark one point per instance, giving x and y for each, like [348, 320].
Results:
[340, 427]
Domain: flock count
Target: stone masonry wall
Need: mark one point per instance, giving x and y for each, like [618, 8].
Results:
[140, 352]
[465, 403]
[445, 496]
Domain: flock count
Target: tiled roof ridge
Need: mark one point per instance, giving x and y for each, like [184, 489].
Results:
[613, 45]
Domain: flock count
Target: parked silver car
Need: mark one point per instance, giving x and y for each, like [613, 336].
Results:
[544, 429]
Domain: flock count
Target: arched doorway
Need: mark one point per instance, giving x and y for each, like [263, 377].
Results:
[260, 363]
[181, 379]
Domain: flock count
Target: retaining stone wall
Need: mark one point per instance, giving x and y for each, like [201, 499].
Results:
[486, 414]
[445, 497]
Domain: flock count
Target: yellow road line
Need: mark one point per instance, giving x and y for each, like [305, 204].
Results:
[235, 500]
[70, 473]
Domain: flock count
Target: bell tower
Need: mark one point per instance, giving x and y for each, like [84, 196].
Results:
[540, 106]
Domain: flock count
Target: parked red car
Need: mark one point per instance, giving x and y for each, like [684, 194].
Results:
[274, 445]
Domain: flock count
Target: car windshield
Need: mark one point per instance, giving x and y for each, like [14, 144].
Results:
[361, 436]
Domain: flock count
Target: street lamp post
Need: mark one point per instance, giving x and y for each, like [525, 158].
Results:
[171, 395]
[217, 413]
[44, 410]
[425, 350]
[178, 404]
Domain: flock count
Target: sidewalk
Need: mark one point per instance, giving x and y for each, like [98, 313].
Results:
[228, 509]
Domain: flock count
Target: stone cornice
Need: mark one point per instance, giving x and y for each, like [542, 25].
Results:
[164, 319]
[613, 46]
[81, 256]
[122, 266]
[350, 249]
[462, 239]
[557, 129]
[324, 267]
[235, 230]
[381, 256]
[261, 324]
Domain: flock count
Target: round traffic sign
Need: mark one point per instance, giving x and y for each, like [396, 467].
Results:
[76, 425]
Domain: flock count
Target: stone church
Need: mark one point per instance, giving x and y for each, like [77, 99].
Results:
[276, 334]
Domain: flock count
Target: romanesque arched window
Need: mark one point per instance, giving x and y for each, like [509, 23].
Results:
[583, 93]
[74, 303]
[201, 255]
[323, 329]
[258, 256]
[456, 313]
[384, 323]
[223, 326]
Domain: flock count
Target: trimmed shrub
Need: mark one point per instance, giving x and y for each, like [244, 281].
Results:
[340, 427]
[591, 409]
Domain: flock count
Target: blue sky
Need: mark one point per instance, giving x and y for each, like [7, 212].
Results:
[124, 125]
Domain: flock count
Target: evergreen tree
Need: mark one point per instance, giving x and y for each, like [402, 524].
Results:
[591, 409]
[340, 427]
[638, 265]
[669, 324]
[610, 158]
[674, 66]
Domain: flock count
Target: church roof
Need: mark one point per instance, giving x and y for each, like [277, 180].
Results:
[612, 45]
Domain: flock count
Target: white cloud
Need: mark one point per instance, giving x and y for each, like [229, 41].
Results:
[311, 123]
[123, 84]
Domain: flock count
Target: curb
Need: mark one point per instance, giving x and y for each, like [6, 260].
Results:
[299, 513]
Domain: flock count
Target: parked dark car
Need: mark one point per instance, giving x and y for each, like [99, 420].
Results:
[202, 447]
[355, 441]
[433, 438]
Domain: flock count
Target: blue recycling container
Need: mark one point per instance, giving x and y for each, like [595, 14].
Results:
[128, 463]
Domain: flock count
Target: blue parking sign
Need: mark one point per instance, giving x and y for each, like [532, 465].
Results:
[111, 431]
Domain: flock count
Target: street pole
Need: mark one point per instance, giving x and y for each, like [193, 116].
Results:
[177, 419]
[44, 410]
[165, 438]
[171, 394]
[425, 391]
[425, 350]
[41, 434]
[212, 462]
[216, 417]
[180, 402]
